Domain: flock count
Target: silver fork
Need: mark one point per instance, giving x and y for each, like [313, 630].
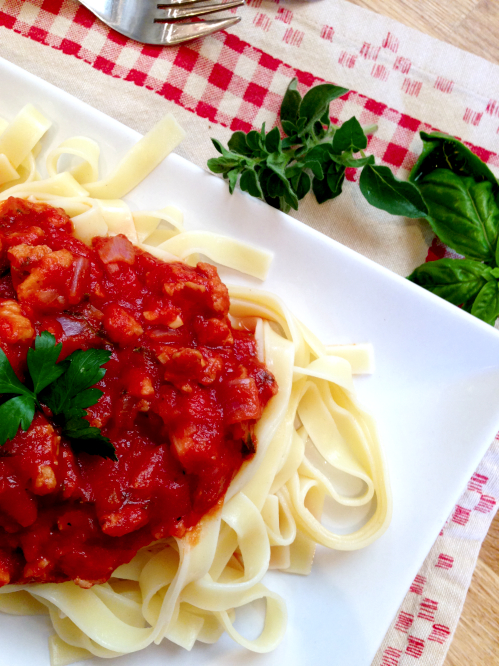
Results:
[152, 22]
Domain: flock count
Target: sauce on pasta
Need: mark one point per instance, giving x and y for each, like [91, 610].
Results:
[182, 393]
[188, 587]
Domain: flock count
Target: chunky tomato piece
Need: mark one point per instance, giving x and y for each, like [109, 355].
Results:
[181, 396]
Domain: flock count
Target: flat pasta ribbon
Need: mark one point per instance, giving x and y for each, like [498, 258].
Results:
[188, 590]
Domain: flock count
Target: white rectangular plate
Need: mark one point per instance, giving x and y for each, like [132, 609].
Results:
[434, 394]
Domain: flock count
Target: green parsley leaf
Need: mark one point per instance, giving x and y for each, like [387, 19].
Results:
[78, 404]
[85, 438]
[42, 361]
[18, 411]
[9, 383]
[70, 395]
[67, 388]
[83, 371]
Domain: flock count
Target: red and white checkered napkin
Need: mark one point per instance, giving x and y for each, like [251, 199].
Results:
[407, 82]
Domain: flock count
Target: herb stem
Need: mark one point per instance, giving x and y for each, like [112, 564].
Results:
[370, 129]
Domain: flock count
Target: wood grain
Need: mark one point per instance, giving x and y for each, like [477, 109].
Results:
[472, 25]
[476, 641]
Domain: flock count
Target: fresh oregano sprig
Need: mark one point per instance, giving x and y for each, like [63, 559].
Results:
[449, 186]
[65, 387]
[313, 155]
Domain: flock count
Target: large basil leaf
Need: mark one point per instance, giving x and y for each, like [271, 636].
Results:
[486, 305]
[456, 280]
[441, 151]
[382, 190]
[462, 213]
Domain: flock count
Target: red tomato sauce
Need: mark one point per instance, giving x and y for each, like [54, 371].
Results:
[181, 395]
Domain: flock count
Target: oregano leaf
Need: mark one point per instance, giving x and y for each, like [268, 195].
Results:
[238, 144]
[349, 137]
[290, 103]
[316, 102]
[249, 183]
[273, 140]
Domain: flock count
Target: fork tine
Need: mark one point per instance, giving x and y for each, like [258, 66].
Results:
[176, 33]
[177, 13]
[173, 3]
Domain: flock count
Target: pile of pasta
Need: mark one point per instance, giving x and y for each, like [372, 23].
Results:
[190, 589]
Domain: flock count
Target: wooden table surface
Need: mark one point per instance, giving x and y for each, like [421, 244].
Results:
[472, 25]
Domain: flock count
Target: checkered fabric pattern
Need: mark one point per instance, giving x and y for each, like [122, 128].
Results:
[223, 79]
[235, 81]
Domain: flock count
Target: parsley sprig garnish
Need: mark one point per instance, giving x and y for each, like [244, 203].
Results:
[314, 155]
[65, 388]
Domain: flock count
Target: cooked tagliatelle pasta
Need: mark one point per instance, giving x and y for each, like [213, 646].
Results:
[189, 589]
